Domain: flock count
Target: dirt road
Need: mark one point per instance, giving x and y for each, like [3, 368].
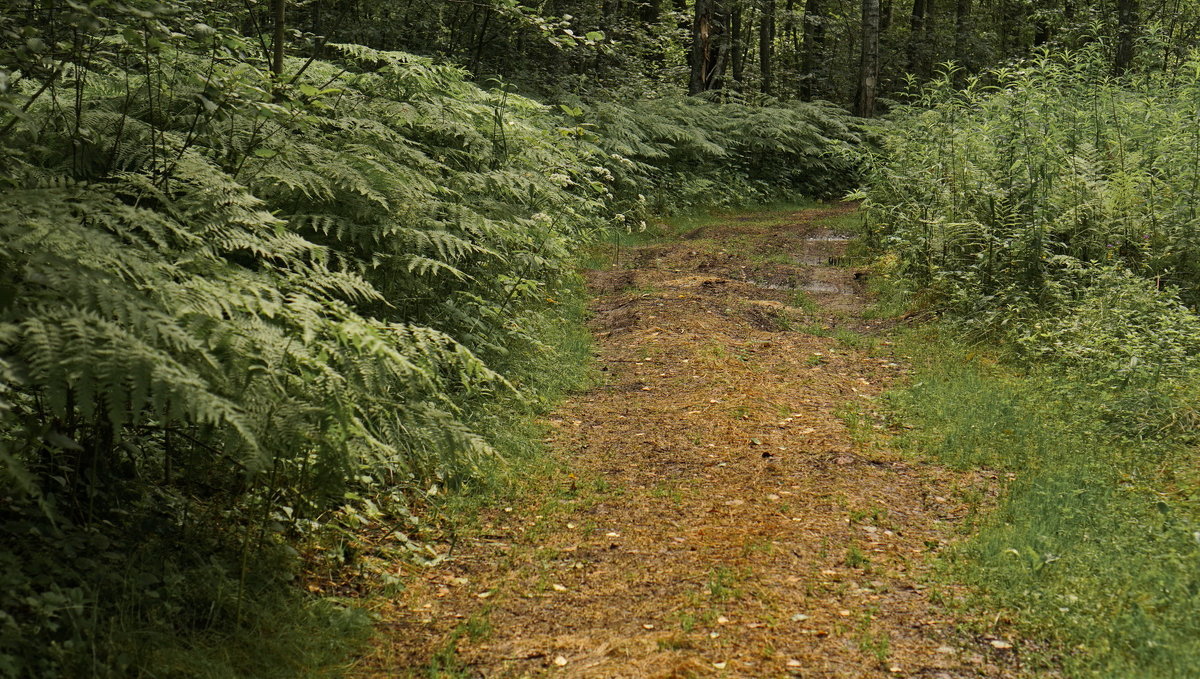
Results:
[730, 507]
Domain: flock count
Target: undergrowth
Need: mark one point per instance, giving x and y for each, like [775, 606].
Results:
[1094, 549]
[266, 324]
[1046, 213]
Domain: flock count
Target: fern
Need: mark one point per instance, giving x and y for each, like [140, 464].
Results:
[232, 296]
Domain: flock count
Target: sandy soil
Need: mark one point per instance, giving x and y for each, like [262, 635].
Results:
[729, 507]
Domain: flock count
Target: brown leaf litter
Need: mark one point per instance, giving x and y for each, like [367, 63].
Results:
[730, 511]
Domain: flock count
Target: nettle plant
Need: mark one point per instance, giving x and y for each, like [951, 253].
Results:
[1010, 200]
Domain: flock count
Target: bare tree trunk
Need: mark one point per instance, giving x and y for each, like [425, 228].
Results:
[766, 45]
[793, 35]
[477, 57]
[738, 54]
[868, 63]
[918, 33]
[710, 46]
[280, 12]
[650, 11]
[814, 42]
[1127, 29]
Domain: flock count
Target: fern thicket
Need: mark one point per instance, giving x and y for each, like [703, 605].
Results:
[232, 303]
[687, 151]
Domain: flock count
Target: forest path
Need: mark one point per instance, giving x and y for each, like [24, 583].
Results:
[730, 509]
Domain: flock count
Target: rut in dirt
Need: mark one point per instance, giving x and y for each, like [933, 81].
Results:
[732, 509]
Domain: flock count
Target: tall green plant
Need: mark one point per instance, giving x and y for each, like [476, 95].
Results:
[1003, 201]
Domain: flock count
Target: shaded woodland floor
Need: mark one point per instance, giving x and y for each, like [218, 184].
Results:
[728, 505]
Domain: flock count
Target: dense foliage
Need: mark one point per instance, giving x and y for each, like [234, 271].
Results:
[1052, 219]
[1058, 208]
[241, 305]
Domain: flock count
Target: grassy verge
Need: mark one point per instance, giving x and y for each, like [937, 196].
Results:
[1094, 548]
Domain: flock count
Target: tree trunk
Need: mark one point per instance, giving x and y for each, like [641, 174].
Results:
[1127, 29]
[814, 42]
[766, 45]
[736, 40]
[650, 11]
[280, 12]
[710, 46]
[1042, 32]
[962, 33]
[792, 35]
[916, 33]
[868, 63]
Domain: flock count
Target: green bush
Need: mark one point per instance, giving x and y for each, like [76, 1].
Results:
[684, 152]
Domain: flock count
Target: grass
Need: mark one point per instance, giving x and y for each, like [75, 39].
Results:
[723, 584]
[523, 463]
[877, 644]
[445, 663]
[856, 559]
[802, 300]
[1094, 547]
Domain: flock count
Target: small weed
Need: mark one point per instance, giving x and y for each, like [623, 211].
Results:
[687, 621]
[853, 339]
[860, 424]
[757, 545]
[783, 322]
[479, 627]
[445, 664]
[665, 490]
[545, 555]
[722, 584]
[856, 559]
[877, 516]
[877, 644]
[802, 300]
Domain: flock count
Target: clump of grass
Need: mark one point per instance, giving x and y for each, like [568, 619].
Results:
[878, 644]
[855, 557]
[803, 300]
[722, 584]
